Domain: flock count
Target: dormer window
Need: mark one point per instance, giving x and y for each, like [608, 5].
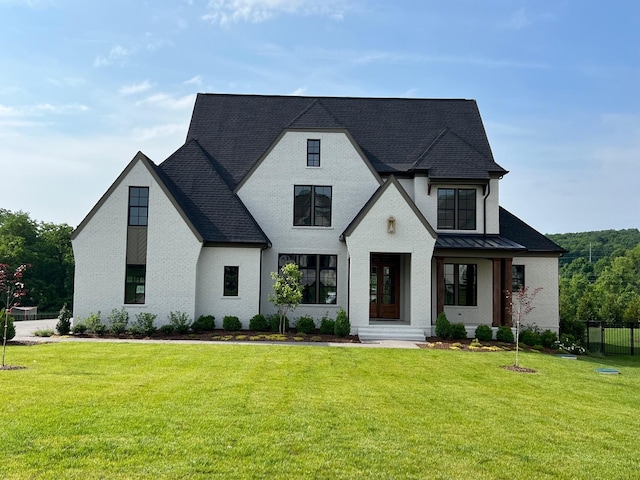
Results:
[313, 153]
[457, 208]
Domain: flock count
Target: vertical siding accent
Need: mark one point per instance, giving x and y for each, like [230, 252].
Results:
[136, 245]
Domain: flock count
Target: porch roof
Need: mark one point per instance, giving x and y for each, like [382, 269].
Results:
[477, 242]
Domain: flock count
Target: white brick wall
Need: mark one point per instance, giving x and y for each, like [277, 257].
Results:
[411, 238]
[542, 272]
[100, 255]
[210, 299]
[268, 194]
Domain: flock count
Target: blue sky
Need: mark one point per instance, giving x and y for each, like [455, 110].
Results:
[84, 85]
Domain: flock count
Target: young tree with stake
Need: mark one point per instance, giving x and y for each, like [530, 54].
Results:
[287, 291]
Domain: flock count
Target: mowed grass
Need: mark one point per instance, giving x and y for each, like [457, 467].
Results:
[136, 410]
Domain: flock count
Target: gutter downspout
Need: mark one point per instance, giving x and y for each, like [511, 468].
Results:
[484, 209]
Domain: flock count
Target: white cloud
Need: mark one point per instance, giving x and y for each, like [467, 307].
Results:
[197, 80]
[167, 101]
[135, 88]
[116, 55]
[299, 92]
[225, 12]
[159, 131]
[41, 108]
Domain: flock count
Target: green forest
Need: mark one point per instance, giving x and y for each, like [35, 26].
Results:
[46, 249]
[599, 274]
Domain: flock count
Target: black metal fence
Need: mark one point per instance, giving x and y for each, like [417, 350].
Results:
[613, 338]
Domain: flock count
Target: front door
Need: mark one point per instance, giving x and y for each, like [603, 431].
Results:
[384, 287]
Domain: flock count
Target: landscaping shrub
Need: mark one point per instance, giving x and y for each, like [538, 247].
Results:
[118, 321]
[167, 329]
[144, 324]
[204, 323]
[259, 323]
[342, 326]
[79, 328]
[327, 326]
[94, 324]
[11, 329]
[443, 326]
[504, 334]
[548, 338]
[180, 322]
[306, 324]
[64, 321]
[274, 323]
[458, 331]
[484, 333]
[231, 323]
[43, 332]
[530, 337]
[576, 328]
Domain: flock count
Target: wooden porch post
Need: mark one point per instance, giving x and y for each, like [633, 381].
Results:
[507, 280]
[439, 285]
[498, 303]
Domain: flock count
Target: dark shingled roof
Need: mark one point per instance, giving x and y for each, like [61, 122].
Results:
[397, 135]
[214, 210]
[515, 229]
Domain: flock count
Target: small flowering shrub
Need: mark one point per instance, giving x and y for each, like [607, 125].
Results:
[568, 344]
[231, 323]
[180, 322]
[306, 325]
[484, 333]
[259, 323]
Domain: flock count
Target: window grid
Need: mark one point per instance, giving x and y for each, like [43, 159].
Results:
[517, 277]
[231, 281]
[134, 286]
[138, 206]
[457, 208]
[313, 153]
[319, 276]
[460, 284]
[312, 205]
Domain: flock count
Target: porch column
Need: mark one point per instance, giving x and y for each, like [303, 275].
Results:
[439, 285]
[507, 280]
[498, 302]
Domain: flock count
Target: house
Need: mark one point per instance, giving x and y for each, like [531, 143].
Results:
[390, 207]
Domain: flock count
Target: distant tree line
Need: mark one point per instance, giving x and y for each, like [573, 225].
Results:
[46, 247]
[599, 276]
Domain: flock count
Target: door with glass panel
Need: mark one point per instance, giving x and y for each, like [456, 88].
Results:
[384, 287]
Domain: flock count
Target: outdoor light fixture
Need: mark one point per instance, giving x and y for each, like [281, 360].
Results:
[391, 224]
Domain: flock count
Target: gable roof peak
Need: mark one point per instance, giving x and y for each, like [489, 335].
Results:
[316, 115]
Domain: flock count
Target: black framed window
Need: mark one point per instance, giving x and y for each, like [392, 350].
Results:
[457, 208]
[517, 277]
[312, 205]
[319, 276]
[460, 284]
[138, 206]
[231, 281]
[313, 153]
[135, 284]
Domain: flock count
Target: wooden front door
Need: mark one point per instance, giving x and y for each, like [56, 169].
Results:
[384, 287]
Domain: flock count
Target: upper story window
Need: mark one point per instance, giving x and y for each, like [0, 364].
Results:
[313, 153]
[457, 208]
[312, 206]
[138, 206]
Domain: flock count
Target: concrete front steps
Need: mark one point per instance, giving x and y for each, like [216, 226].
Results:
[391, 332]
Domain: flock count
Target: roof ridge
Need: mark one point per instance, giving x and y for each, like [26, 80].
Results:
[315, 102]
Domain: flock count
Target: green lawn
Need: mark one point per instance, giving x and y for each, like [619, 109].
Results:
[111, 410]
